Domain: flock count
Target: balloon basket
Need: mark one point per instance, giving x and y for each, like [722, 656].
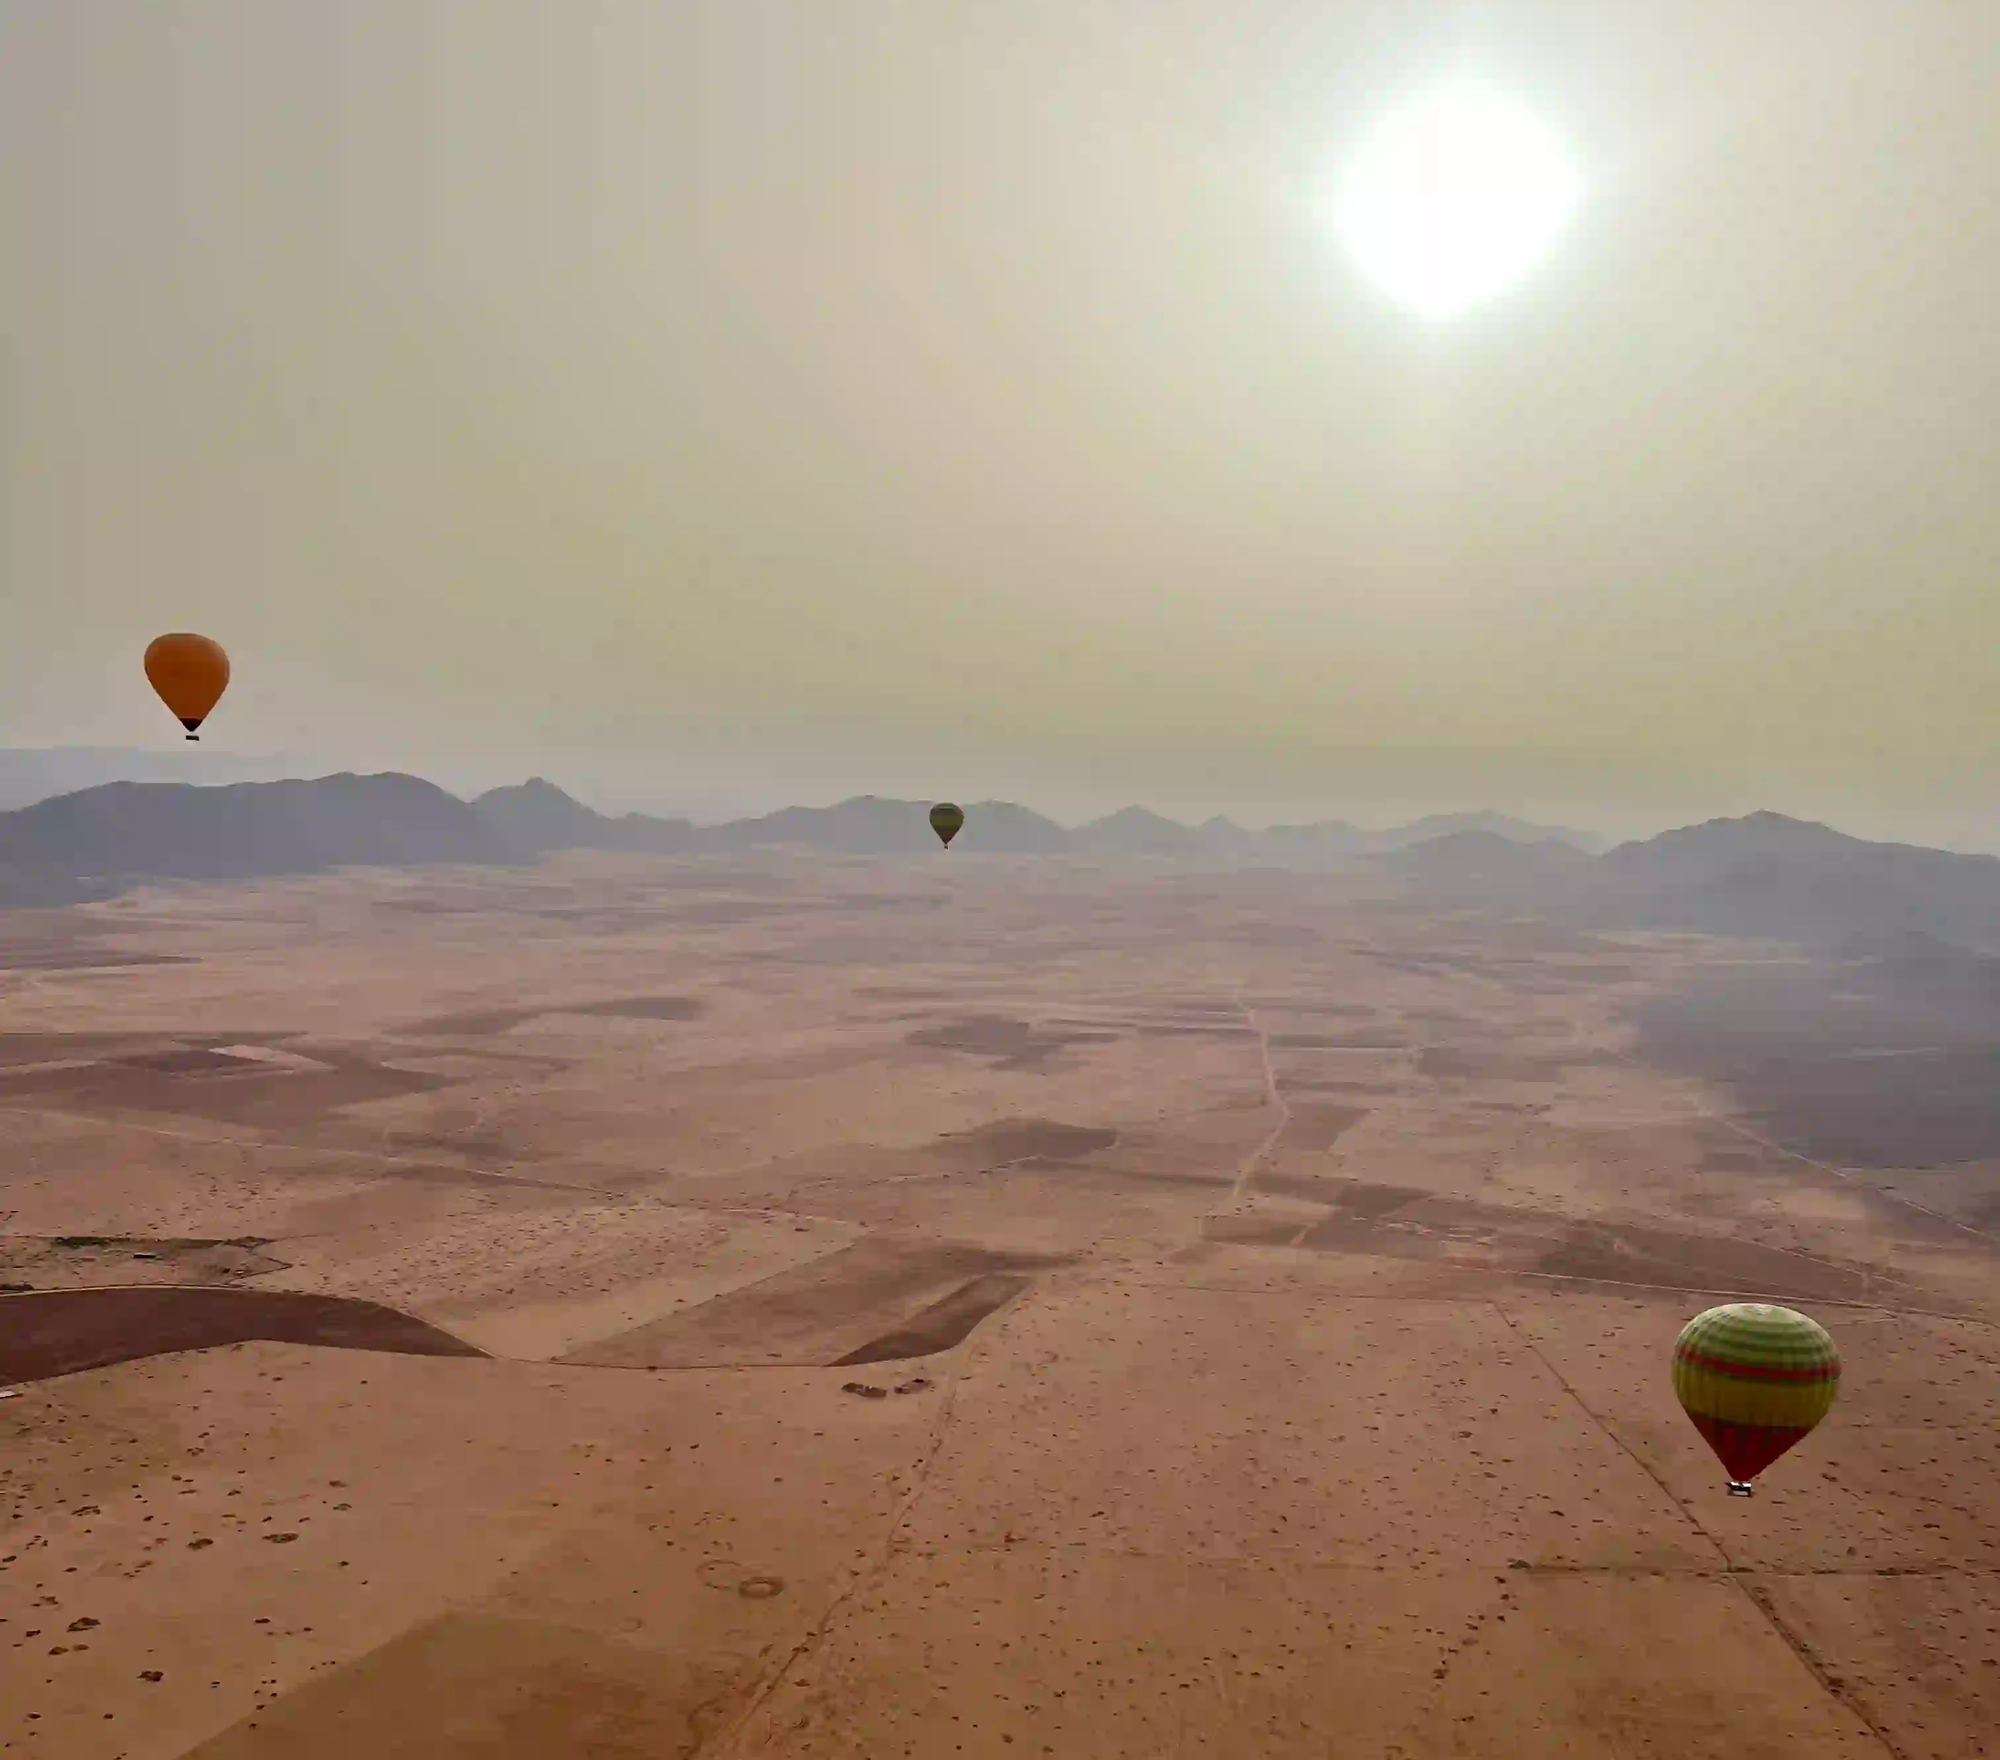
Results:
[1742, 1488]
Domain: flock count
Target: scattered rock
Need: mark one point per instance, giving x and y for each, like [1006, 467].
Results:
[197, 1545]
[915, 1385]
[83, 1625]
[281, 1539]
[864, 1390]
[151, 1674]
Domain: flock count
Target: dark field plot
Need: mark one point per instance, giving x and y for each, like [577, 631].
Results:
[81, 959]
[944, 1323]
[877, 1290]
[1192, 1030]
[18, 1049]
[1012, 1044]
[1316, 1126]
[1487, 1063]
[1619, 1253]
[199, 1083]
[477, 1023]
[187, 1060]
[641, 1008]
[1400, 1222]
[1026, 1139]
[1250, 1231]
[1860, 1065]
[1340, 1041]
[59, 1332]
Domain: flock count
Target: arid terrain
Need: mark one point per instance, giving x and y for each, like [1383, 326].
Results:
[641, 1306]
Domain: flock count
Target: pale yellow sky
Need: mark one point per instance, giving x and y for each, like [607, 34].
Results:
[736, 400]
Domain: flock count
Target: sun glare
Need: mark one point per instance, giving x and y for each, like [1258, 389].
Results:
[1453, 198]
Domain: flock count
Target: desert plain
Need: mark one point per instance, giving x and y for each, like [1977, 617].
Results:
[997, 1307]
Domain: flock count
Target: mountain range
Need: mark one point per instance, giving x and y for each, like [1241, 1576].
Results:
[137, 830]
[1764, 875]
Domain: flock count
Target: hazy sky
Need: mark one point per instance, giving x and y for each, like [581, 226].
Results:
[757, 401]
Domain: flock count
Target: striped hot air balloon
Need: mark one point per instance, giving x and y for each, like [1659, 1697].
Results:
[1755, 1379]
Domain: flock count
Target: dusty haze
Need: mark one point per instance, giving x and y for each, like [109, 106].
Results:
[718, 405]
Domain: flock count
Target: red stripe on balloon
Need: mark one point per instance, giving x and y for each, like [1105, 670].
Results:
[1756, 1371]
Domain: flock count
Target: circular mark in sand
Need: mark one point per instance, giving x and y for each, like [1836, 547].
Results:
[718, 1573]
[760, 1588]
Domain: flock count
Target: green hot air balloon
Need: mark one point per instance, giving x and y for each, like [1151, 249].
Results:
[946, 820]
[1754, 1379]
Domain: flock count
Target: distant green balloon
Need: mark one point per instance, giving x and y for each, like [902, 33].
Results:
[946, 820]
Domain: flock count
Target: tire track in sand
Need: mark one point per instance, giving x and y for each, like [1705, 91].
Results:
[1247, 1169]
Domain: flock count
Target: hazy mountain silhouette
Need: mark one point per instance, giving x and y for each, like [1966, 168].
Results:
[129, 831]
[535, 816]
[1487, 867]
[1134, 831]
[1005, 829]
[1226, 837]
[872, 825]
[1327, 840]
[866, 825]
[1501, 825]
[1794, 880]
[1764, 875]
[1711, 849]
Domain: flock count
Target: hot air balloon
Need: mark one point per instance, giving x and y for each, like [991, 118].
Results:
[190, 673]
[946, 820]
[1755, 1379]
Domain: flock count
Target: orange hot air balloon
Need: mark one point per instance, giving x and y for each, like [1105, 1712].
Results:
[190, 673]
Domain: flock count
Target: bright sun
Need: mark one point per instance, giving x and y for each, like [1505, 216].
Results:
[1453, 197]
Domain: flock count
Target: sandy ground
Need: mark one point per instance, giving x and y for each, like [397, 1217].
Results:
[1267, 1290]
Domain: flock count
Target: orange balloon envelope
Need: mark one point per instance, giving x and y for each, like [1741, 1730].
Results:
[190, 673]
